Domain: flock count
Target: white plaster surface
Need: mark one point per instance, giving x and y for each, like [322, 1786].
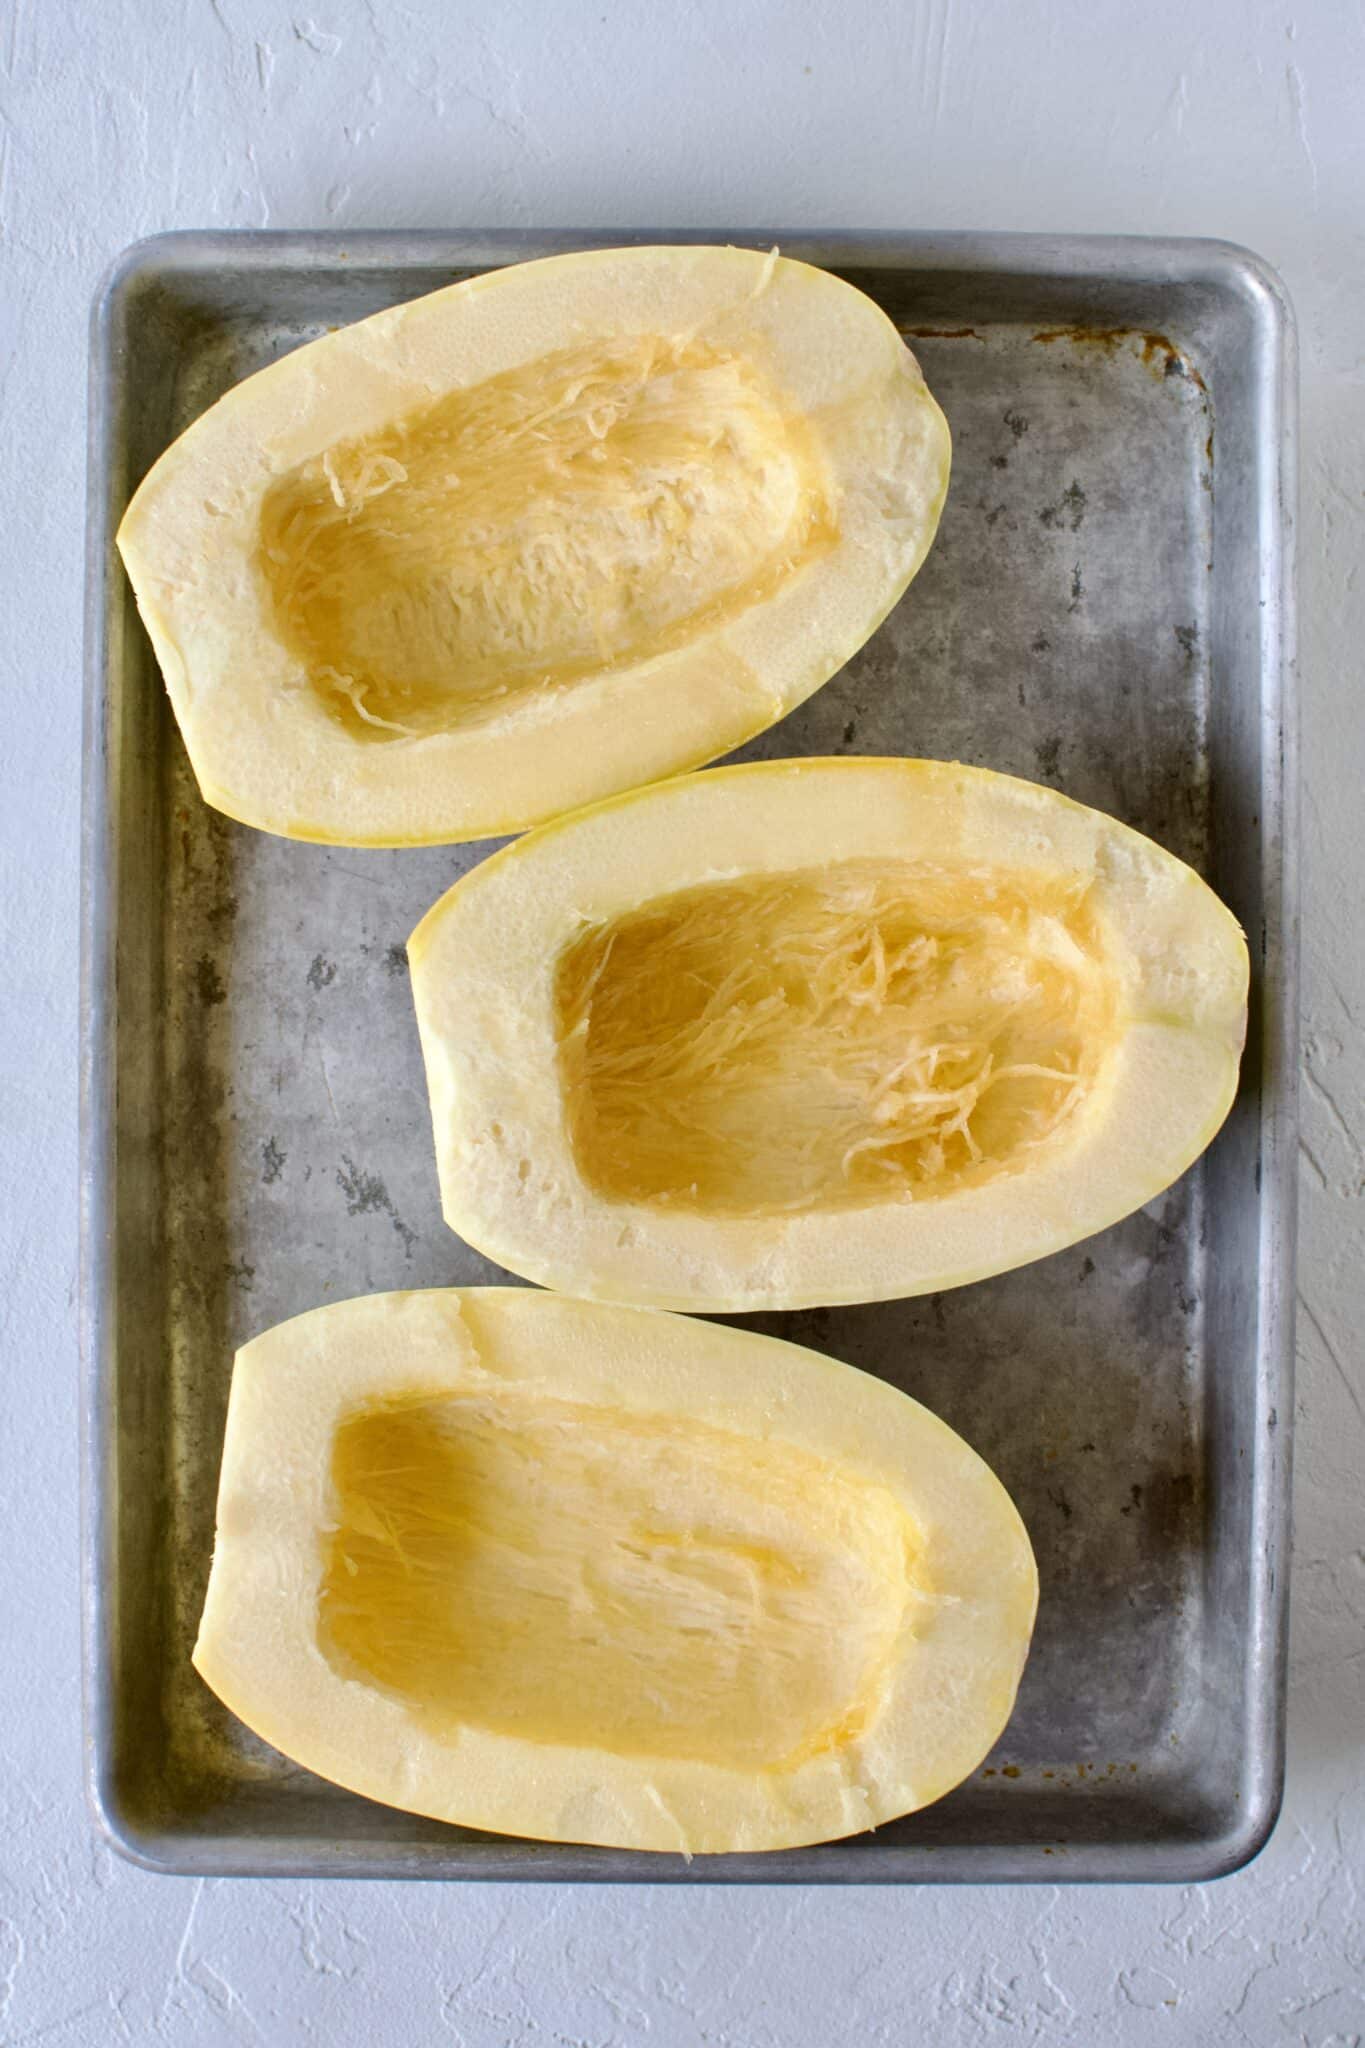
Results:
[121, 117]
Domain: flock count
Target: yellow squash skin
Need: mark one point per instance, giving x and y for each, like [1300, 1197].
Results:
[811, 1032]
[600, 1575]
[548, 534]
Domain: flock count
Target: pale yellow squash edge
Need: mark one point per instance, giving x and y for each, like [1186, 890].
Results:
[943, 1704]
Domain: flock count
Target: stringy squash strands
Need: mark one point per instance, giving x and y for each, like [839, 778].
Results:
[828, 1036]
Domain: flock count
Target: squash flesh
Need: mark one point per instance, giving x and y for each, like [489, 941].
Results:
[589, 510]
[873, 1031]
[567, 1574]
[552, 532]
[634, 1102]
[590, 1574]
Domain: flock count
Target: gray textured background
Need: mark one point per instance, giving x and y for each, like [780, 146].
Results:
[1233, 119]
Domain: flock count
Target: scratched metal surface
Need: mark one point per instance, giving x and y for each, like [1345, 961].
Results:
[271, 1147]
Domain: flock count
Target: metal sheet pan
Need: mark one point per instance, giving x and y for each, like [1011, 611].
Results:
[1108, 609]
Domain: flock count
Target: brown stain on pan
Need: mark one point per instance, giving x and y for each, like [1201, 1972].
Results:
[1158, 351]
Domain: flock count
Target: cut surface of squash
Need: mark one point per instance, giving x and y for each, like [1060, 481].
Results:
[597, 1574]
[566, 1573]
[594, 509]
[550, 533]
[838, 1035]
[812, 1031]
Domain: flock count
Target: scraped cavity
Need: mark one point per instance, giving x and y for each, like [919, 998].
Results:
[573, 1574]
[601, 505]
[870, 1031]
